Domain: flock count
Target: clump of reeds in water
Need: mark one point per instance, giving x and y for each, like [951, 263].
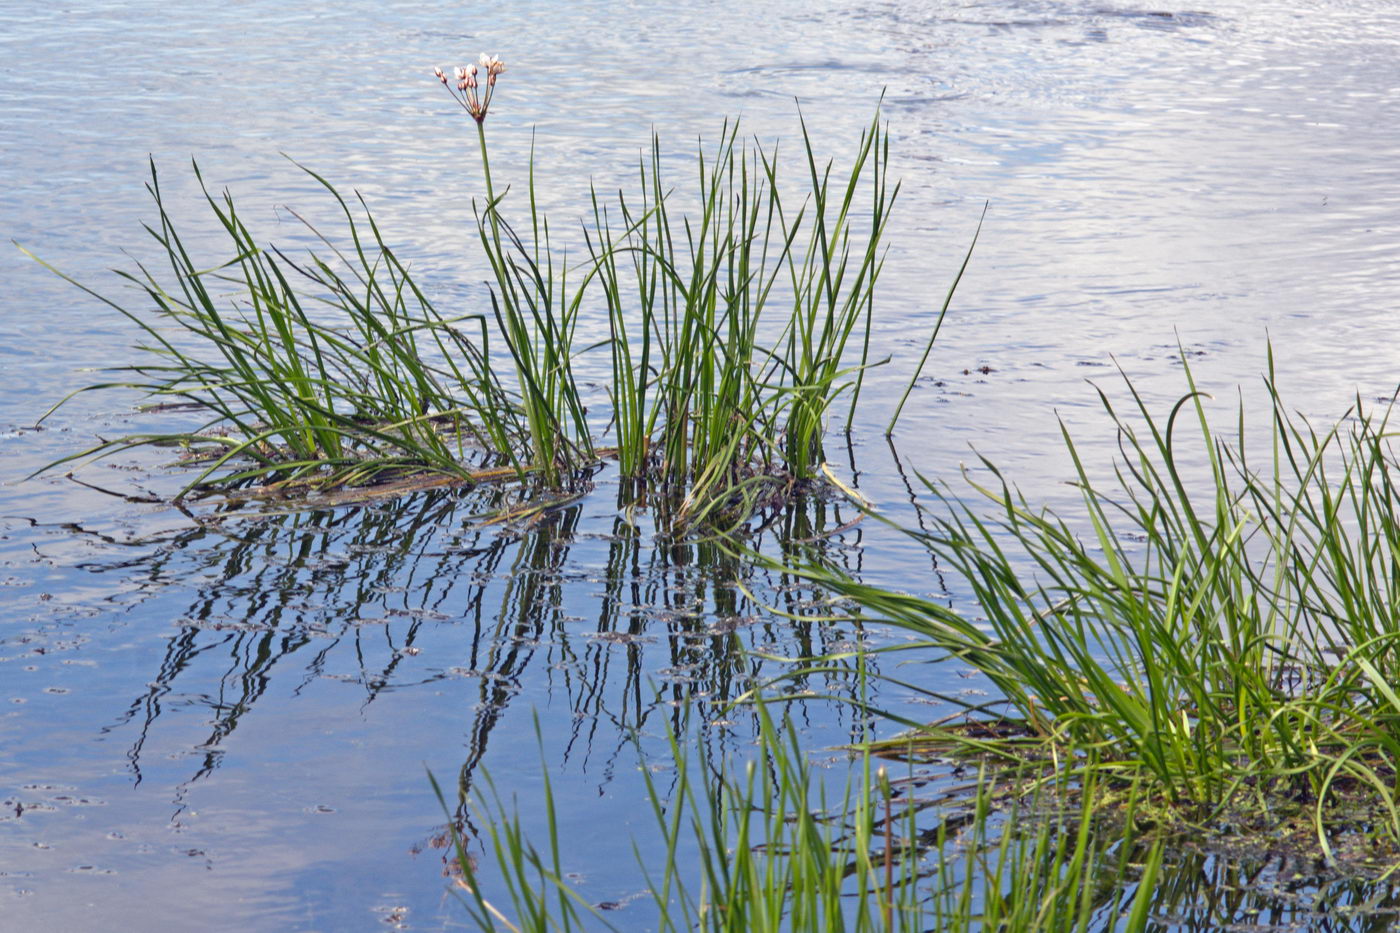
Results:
[1219, 621]
[331, 371]
[733, 330]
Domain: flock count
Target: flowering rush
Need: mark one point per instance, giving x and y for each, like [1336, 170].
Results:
[466, 82]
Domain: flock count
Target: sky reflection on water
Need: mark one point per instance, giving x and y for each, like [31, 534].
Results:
[225, 726]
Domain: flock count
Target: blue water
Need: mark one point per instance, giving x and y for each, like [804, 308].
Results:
[225, 725]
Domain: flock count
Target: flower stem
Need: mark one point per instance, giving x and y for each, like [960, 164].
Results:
[490, 191]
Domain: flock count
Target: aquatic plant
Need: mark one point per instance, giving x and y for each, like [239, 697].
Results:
[330, 372]
[732, 333]
[736, 406]
[1223, 628]
[535, 310]
[773, 851]
[702, 403]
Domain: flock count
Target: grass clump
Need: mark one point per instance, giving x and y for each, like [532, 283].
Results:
[729, 326]
[333, 372]
[733, 328]
[1219, 626]
[535, 311]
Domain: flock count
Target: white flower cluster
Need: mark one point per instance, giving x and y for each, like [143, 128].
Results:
[467, 84]
[492, 64]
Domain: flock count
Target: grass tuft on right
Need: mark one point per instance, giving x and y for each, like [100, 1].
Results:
[1221, 626]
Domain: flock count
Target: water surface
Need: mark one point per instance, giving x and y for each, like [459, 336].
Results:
[225, 725]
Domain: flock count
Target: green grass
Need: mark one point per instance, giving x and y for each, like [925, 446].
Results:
[1217, 619]
[763, 845]
[536, 314]
[734, 328]
[339, 370]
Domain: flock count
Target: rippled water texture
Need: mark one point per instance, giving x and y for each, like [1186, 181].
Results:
[225, 725]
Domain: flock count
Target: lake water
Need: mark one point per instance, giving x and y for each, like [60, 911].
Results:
[227, 725]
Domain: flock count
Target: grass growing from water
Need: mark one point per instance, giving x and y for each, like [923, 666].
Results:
[733, 330]
[707, 400]
[1219, 625]
[335, 371]
[766, 847]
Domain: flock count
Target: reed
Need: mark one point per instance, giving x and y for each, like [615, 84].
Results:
[536, 314]
[339, 369]
[764, 846]
[731, 328]
[1220, 624]
[734, 327]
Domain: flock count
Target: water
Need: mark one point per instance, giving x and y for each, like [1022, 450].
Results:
[225, 726]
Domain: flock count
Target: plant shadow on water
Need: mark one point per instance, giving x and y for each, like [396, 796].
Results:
[759, 842]
[638, 633]
[410, 593]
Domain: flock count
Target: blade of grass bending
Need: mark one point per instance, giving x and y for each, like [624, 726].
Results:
[938, 325]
